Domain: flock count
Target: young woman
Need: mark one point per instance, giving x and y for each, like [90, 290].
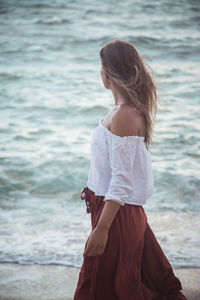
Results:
[122, 257]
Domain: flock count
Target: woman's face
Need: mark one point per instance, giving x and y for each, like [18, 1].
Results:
[105, 78]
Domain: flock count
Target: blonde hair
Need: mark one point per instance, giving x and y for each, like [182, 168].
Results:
[122, 62]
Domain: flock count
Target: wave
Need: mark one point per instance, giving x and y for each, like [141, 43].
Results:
[53, 20]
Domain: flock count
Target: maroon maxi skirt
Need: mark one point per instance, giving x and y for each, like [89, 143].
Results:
[132, 266]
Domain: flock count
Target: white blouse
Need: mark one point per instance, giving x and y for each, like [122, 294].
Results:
[120, 167]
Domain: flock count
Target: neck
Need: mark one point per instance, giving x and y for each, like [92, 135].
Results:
[120, 102]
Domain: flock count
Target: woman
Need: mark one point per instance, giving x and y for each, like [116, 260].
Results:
[122, 257]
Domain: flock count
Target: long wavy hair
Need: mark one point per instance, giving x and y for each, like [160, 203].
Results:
[133, 78]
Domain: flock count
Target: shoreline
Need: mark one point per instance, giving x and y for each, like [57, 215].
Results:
[56, 282]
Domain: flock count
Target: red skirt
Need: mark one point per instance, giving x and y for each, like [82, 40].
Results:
[132, 266]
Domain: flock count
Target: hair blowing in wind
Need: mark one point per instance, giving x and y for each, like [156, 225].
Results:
[122, 62]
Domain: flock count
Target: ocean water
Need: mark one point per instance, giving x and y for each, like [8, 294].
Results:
[51, 99]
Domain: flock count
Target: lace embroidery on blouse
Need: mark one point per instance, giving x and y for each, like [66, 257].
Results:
[121, 155]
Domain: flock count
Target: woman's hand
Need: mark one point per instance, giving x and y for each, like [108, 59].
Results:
[96, 242]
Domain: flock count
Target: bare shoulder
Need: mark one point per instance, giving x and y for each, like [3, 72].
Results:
[127, 121]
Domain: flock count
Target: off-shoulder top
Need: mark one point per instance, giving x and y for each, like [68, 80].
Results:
[120, 167]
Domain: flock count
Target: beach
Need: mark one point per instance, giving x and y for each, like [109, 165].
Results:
[54, 282]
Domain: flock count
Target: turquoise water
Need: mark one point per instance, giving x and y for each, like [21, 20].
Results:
[51, 99]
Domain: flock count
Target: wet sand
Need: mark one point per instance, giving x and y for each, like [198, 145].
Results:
[53, 282]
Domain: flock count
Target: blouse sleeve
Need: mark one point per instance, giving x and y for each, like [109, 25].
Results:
[121, 154]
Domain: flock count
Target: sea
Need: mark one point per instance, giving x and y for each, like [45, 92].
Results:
[52, 98]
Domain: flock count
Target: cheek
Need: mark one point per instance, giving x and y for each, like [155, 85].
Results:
[105, 81]
[103, 77]
[101, 74]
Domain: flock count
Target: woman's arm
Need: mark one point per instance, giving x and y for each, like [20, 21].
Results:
[109, 212]
[98, 237]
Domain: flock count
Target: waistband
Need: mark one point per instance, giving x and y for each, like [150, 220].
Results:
[88, 195]
[84, 195]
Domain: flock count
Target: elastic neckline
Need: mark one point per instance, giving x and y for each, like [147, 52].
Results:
[137, 137]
